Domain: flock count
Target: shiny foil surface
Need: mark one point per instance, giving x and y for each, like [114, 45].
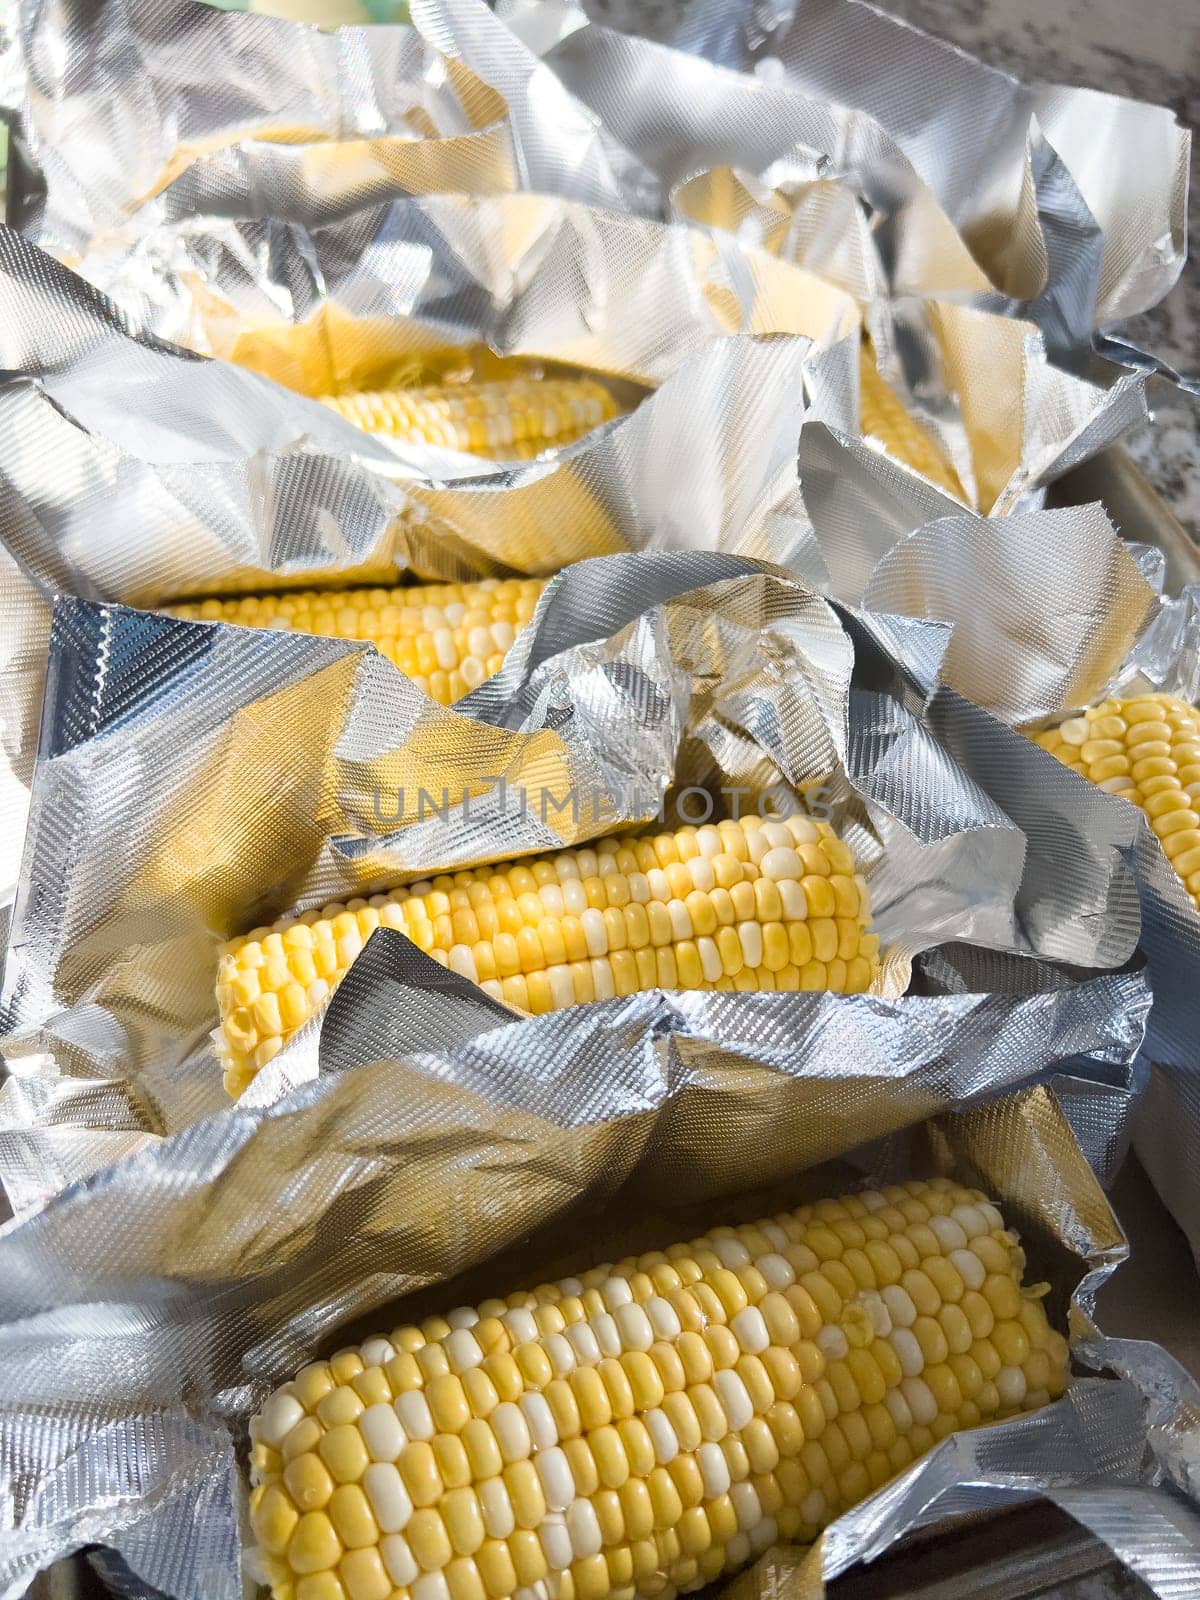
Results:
[229, 216]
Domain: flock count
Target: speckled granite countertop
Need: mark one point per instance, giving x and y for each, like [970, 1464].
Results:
[1146, 49]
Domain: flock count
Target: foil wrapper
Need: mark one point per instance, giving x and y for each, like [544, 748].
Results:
[514, 1150]
[321, 308]
[222, 255]
[1045, 622]
[235, 482]
[882, 158]
[194, 778]
[119, 101]
[901, 162]
[248, 773]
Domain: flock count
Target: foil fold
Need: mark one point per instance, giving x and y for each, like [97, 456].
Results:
[120, 104]
[418, 1174]
[247, 773]
[886, 192]
[1040, 188]
[1044, 623]
[235, 482]
[935, 175]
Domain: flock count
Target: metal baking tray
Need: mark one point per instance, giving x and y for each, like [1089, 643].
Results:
[1136, 508]
[1032, 1552]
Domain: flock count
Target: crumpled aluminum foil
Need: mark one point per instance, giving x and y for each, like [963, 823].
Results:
[282, 488]
[897, 164]
[179, 761]
[325, 307]
[964, 180]
[247, 772]
[1023, 647]
[898, 161]
[220, 256]
[1030, 650]
[235, 482]
[120, 100]
[406, 1167]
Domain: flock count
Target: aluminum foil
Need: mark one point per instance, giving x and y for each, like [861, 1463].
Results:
[897, 163]
[286, 489]
[233, 481]
[792, 120]
[420, 1174]
[222, 256]
[247, 772]
[121, 99]
[1023, 647]
[332, 306]
[1045, 622]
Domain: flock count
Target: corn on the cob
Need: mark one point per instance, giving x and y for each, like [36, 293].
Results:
[883, 416]
[732, 905]
[448, 637]
[646, 1427]
[508, 419]
[1147, 750]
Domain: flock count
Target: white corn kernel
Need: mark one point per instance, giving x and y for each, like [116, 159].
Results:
[381, 1431]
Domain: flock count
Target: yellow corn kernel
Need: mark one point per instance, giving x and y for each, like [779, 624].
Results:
[507, 419]
[883, 416]
[447, 637]
[644, 942]
[1145, 750]
[743, 1387]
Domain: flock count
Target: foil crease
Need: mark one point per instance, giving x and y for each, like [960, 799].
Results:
[1045, 622]
[247, 772]
[407, 1167]
[124, 98]
[236, 479]
[236, 482]
[1042, 619]
[216, 257]
[934, 175]
[1068, 200]
[334, 306]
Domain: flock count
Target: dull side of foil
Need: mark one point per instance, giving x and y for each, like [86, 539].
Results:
[250, 773]
[537, 1126]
